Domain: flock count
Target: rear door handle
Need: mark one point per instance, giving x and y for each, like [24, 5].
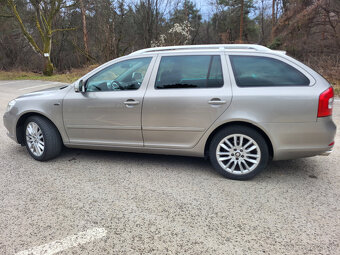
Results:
[131, 102]
[216, 101]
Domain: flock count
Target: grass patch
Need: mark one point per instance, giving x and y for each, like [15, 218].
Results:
[67, 77]
[336, 86]
[337, 90]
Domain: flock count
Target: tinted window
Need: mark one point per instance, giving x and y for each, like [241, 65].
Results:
[124, 75]
[189, 72]
[252, 71]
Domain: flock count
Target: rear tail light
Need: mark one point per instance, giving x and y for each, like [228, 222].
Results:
[326, 103]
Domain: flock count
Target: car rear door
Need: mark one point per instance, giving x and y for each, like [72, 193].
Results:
[185, 95]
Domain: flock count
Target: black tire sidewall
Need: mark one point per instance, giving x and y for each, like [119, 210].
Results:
[51, 136]
[258, 138]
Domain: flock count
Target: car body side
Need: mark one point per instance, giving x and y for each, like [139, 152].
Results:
[286, 116]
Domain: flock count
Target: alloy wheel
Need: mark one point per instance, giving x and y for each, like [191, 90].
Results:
[35, 139]
[238, 154]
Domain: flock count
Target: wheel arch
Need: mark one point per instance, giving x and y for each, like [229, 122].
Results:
[21, 125]
[239, 123]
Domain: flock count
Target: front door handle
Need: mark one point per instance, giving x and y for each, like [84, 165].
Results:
[216, 101]
[131, 102]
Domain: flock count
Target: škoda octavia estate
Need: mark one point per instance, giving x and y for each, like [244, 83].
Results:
[238, 105]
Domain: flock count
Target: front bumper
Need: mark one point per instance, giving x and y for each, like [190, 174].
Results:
[10, 124]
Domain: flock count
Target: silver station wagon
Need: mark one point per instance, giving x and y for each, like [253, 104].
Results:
[238, 105]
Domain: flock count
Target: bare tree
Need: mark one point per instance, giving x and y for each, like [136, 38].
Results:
[331, 19]
[45, 12]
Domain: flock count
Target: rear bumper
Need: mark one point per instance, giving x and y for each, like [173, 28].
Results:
[326, 153]
[298, 140]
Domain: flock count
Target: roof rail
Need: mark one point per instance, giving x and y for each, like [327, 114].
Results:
[205, 47]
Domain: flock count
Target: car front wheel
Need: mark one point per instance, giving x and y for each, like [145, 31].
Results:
[42, 139]
[238, 152]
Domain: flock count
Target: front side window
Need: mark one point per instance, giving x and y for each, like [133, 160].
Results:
[189, 72]
[124, 75]
[255, 71]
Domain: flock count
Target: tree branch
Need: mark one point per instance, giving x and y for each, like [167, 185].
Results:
[27, 35]
[6, 16]
[64, 29]
[37, 24]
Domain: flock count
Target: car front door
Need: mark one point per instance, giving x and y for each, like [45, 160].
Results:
[185, 96]
[108, 113]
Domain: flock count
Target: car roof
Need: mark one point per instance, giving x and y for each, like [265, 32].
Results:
[207, 48]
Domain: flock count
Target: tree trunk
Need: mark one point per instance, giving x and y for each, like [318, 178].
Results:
[156, 20]
[262, 22]
[273, 20]
[83, 15]
[48, 66]
[149, 24]
[241, 22]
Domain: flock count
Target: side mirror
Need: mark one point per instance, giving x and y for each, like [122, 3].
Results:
[79, 87]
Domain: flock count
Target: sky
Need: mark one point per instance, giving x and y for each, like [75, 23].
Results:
[205, 7]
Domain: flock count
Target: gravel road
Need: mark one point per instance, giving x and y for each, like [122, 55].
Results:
[96, 202]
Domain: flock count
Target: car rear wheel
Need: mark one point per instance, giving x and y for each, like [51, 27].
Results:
[42, 139]
[238, 152]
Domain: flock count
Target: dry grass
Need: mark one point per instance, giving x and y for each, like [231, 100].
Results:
[336, 85]
[337, 90]
[67, 77]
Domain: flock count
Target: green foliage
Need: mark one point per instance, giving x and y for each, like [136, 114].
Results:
[248, 4]
[228, 20]
[275, 44]
[187, 12]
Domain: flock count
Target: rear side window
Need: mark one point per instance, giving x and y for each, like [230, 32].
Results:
[255, 71]
[189, 72]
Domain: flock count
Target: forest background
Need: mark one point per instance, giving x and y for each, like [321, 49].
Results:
[63, 39]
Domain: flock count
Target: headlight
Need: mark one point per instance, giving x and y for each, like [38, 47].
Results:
[10, 105]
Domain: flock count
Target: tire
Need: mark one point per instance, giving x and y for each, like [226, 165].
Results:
[41, 132]
[240, 162]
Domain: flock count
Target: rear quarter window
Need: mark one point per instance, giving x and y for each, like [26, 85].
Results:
[257, 71]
